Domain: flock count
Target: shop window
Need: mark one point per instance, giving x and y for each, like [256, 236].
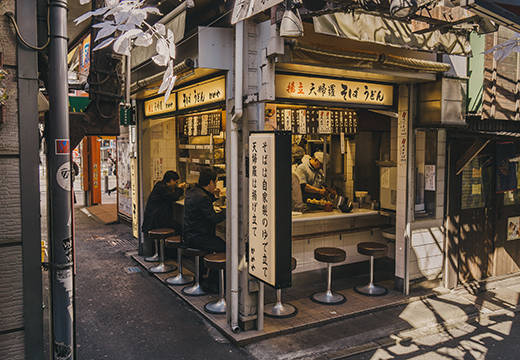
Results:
[425, 173]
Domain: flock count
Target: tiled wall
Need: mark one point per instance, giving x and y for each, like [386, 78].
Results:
[427, 245]
[427, 253]
[303, 249]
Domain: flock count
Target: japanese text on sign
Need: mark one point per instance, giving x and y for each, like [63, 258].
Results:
[201, 94]
[262, 212]
[331, 90]
[158, 106]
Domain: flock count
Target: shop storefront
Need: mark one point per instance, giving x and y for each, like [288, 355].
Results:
[333, 115]
[185, 133]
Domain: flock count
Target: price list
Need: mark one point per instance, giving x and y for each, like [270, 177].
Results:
[317, 121]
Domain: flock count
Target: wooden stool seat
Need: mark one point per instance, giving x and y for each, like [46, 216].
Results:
[161, 233]
[174, 241]
[194, 252]
[371, 248]
[215, 261]
[330, 254]
[388, 233]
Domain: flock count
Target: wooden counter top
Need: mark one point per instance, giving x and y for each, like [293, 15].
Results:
[331, 215]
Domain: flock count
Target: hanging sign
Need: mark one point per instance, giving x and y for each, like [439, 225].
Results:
[270, 244]
[332, 90]
[207, 92]
[157, 106]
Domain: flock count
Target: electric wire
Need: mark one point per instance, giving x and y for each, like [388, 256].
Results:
[10, 16]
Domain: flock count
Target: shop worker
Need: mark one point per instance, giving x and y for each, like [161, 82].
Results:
[200, 218]
[311, 176]
[297, 199]
[158, 212]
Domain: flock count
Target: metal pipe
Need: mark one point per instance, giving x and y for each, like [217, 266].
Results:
[128, 79]
[260, 316]
[59, 172]
[233, 170]
[371, 270]
[329, 277]
[188, 4]
[410, 166]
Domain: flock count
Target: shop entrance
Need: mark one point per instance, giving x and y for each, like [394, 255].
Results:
[483, 210]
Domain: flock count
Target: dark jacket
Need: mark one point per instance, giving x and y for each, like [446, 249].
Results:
[200, 219]
[158, 212]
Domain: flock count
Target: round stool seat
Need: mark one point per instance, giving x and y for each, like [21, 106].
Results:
[330, 254]
[173, 241]
[388, 233]
[194, 252]
[215, 261]
[160, 233]
[293, 264]
[371, 248]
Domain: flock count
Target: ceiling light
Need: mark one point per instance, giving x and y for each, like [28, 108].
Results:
[402, 8]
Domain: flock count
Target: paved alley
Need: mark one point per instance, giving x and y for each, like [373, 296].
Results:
[122, 314]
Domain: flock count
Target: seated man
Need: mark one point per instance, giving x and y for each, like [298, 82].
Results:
[200, 218]
[158, 212]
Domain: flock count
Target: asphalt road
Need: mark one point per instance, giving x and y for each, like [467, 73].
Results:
[494, 337]
[130, 315]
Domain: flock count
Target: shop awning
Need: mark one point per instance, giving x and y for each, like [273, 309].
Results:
[494, 127]
[390, 32]
[503, 12]
[366, 60]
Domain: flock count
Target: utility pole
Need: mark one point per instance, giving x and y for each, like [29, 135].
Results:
[59, 183]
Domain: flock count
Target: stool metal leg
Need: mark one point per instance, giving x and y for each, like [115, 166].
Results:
[162, 267]
[195, 289]
[180, 278]
[371, 289]
[328, 297]
[219, 306]
[155, 256]
[279, 309]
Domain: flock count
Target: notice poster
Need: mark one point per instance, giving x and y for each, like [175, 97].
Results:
[513, 228]
[429, 177]
[124, 205]
[270, 207]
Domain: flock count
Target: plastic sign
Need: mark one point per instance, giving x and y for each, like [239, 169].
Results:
[333, 90]
[270, 226]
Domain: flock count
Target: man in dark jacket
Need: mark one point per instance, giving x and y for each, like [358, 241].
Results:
[200, 218]
[158, 212]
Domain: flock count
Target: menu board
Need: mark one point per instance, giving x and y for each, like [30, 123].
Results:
[270, 248]
[316, 121]
[201, 124]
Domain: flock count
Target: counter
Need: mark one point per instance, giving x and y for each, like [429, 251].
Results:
[329, 228]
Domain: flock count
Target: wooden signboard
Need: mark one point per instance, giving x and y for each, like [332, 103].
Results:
[270, 226]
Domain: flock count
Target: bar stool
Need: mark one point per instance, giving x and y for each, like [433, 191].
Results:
[278, 309]
[389, 234]
[195, 289]
[371, 249]
[217, 261]
[329, 255]
[161, 234]
[180, 278]
[155, 256]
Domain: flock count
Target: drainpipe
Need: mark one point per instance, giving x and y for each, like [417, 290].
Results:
[59, 207]
[237, 116]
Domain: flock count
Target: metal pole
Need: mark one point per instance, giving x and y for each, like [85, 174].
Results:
[59, 184]
[260, 315]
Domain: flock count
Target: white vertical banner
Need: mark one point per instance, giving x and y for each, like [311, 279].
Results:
[262, 216]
